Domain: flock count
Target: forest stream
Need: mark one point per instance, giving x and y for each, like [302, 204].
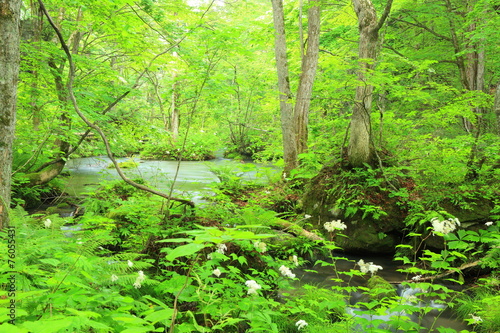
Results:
[194, 180]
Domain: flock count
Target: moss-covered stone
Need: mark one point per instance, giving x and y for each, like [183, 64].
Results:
[364, 202]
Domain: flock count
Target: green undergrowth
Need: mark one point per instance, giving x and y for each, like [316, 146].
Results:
[132, 263]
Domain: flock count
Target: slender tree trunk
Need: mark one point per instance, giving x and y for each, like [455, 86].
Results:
[361, 150]
[174, 110]
[496, 108]
[286, 103]
[9, 71]
[308, 73]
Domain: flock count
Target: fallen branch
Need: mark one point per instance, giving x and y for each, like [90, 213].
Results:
[298, 231]
[448, 272]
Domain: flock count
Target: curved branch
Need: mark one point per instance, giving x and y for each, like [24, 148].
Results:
[96, 127]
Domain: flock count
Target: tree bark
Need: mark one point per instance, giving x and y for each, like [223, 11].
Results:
[361, 150]
[308, 73]
[286, 100]
[9, 72]
[174, 110]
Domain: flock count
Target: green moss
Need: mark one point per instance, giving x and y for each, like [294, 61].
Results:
[380, 288]
[130, 164]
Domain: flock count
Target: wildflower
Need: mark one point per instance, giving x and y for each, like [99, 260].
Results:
[252, 287]
[285, 271]
[260, 246]
[209, 256]
[216, 272]
[295, 260]
[130, 263]
[139, 279]
[476, 319]
[301, 324]
[335, 225]
[307, 216]
[221, 248]
[368, 267]
[416, 277]
[114, 278]
[445, 226]
[488, 223]
[47, 223]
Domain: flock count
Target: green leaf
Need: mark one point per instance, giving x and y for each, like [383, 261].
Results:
[164, 316]
[185, 250]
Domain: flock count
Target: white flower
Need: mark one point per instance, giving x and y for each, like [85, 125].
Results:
[445, 226]
[368, 267]
[488, 223]
[335, 225]
[252, 287]
[260, 246]
[295, 260]
[209, 256]
[221, 248]
[130, 263]
[47, 223]
[301, 324]
[114, 278]
[476, 319]
[285, 271]
[139, 279]
[416, 277]
[307, 216]
[216, 272]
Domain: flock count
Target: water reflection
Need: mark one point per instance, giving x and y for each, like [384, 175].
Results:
[193, 179]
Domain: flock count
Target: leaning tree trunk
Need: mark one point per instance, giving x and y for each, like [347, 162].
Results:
[361, 149]
[286, 106]
[9, 71]
[308, 73]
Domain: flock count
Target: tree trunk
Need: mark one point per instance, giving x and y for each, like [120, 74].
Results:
[9, 71]
[174, 115]
[361, 150]
[496, 108]
[286, 106]
[308, 73]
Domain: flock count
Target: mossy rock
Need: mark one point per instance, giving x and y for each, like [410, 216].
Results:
[364, 202]
[125, 165]
[380, 288]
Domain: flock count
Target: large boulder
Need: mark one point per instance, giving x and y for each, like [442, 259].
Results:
[364, 201]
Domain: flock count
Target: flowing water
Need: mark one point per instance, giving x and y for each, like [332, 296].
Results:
[193, 180]
[323, 276]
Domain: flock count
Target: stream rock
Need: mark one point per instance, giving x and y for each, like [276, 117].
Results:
[374, 208]
[373, 215]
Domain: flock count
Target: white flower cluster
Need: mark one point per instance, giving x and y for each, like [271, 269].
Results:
[476, 319]
[260, 246]
[217, 272]
[335, 225]
[368, 267]
[301, 324]
[130, 263]
[252, 287]
[285, 271]
[139, 280]
[47, 223]
[446, 226]
[488, 224]
[295, 260]
[221, 248]
[114, 278]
